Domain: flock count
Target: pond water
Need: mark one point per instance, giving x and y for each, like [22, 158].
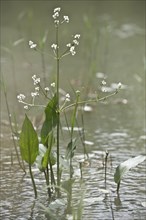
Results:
[112, 48]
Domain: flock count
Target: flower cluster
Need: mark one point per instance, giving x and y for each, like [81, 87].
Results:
[36, 80]
[67, 97]
[47, 89]
[21, 97]
[103, 82]
[74, 43]
[56, 16]
[34, 94]
[66, 19]
[53, 84]
[54, 46]
[32, 45]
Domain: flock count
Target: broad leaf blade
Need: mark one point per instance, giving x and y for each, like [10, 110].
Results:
[28, 142]
[124, 167]
[50, 120]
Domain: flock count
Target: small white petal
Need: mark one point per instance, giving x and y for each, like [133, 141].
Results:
[67, 99]
[54, 46]
[68, 45]
[66, 19]
[47, 89]
[103, 82]
[57, 9]
[53, 84]
[119, 85]
[67, 95]
[25, 106]
[77, 36]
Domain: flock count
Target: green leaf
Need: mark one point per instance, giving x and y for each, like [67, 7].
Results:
[28, 142]
[124, 167]
[45, 159]
[48, 157]
[50, 120]
[70, 149]
[39, 159]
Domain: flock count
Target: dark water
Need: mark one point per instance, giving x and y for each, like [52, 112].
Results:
[112, 42]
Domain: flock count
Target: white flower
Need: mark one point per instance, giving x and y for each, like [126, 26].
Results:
[55, 15]
[67, 97]
[103, 82]
[56, 22]
[35, 80]
[21, 97]
[67, 100]
[77, 92]
[54, 46]
[57, 9]
[76, 42]
[37, 88]
[34, 94]
[72, 50]
[34, 77]
[53, 84]
[77, 36]
[103, 89]
[47, 89]
[119, 85]
[68, 45]
[32, 44]
[25, 106]
[66, 18]
[72, 45]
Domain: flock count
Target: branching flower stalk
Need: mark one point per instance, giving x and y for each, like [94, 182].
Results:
[58, 113]
[97, 99]
[70, 50]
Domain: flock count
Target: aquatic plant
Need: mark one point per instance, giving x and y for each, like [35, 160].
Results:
[124, 167]
[29, 145]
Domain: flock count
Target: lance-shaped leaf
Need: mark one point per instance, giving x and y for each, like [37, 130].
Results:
[28, 142]
[124, 167]
[50, 120]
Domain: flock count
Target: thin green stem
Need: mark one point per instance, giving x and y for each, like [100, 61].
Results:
[72, 130]
[58, 112]
[90, 101]
[47, 181]
[118, 187]
[33, 182]
[11, 127]
[106, 158]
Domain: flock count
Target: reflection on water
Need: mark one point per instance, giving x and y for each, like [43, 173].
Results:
[111, 49]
